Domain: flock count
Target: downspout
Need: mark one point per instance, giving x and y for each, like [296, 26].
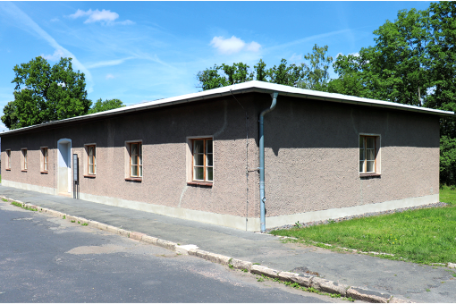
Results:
[262, 195]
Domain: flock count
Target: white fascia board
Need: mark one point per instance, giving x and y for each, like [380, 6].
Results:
[248, 87]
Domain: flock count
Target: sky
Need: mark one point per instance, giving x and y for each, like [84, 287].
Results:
[142, 51]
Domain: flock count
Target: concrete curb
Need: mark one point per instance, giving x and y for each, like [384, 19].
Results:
[308, 281]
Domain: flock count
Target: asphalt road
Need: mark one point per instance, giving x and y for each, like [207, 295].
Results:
[46, 259]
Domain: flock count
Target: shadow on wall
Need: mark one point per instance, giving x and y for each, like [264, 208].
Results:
[295, 123]
[318, 124]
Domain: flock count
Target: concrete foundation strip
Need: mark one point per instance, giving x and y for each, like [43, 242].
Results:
[303, 280]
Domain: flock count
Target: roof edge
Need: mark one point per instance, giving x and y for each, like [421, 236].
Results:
[242, 88]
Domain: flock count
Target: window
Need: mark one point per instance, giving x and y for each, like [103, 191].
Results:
[136, 159]
[44, 160]
[203, 160]
[24, 159]
[368, 154]
[8, 160]
[91, 159]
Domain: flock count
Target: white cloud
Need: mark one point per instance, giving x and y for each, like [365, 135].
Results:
[107, 63]
[110, 76]
[233, 45]
[54, 57]
[295, 58]
[253, 47]
[103, 16]
[55, 19]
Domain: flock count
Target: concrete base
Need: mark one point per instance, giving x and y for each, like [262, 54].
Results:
[30, 187]
[237, 222]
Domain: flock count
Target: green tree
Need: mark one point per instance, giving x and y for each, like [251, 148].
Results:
[396, 68]
[44, 94]
[108, 104]
[290, 75]
[316, 75]
[412, 62]
[10, 118]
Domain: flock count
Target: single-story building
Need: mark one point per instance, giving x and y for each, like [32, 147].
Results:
[200, 156]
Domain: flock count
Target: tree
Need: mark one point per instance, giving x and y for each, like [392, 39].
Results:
[412, 62]
[313, 77]
[44, 94]
[316, 75]
[397, 67]
[290, 75]
[10, 118]
[108, 104]
[232, 74]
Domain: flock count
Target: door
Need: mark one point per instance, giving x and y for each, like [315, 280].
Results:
[64, 166]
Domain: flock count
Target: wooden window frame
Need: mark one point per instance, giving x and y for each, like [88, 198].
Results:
[8, 160]
[94, 160]
[204, 181]
[24, 160]
[139, 162]
[44, 160]
[376, 172]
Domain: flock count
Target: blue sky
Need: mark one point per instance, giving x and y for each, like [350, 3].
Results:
[142, 51]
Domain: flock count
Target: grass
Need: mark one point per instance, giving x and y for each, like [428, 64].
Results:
[23, 207]
[421, 236]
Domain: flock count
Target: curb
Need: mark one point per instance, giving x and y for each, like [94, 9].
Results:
[308, 281]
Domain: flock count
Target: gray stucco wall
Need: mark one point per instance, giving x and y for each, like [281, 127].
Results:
[163, 133]
[312, 155]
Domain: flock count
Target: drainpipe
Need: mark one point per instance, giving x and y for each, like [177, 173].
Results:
[262, 195]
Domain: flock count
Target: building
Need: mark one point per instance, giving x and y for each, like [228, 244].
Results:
[197, 156]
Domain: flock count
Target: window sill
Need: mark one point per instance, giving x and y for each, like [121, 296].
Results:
[90, 176]
[196, 183]
[370, 175]
[23, 170]
[8, 169]
[44, 172]
[134, 179]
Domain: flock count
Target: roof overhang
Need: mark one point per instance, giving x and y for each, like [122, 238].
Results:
[242, 88]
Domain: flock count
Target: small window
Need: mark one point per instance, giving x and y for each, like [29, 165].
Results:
[24, 159]
[368, 150]
[44, 160]
[91, 160]
[136, 159]
[203, 160]
[8, 159]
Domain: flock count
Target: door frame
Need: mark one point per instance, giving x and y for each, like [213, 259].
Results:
[60, 142]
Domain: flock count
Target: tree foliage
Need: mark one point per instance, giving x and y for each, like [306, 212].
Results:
[108, 104]
[44, 93]
[413, 61]
[315, 76]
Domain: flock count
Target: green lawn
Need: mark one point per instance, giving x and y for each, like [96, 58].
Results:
[421, 236]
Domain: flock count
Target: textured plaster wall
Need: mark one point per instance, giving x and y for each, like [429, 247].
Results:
[33, 175]
[312, 156]
[163, 133]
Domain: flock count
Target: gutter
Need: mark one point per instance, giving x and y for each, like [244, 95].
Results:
[261, 168]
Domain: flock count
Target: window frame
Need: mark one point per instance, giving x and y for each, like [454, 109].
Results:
[94, 160]
[44, 160]
[205, 181]
[8, 159]
[377, 168]
[24, 160]
[139, 161]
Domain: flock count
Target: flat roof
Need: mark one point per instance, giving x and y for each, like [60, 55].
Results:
[246, 87]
